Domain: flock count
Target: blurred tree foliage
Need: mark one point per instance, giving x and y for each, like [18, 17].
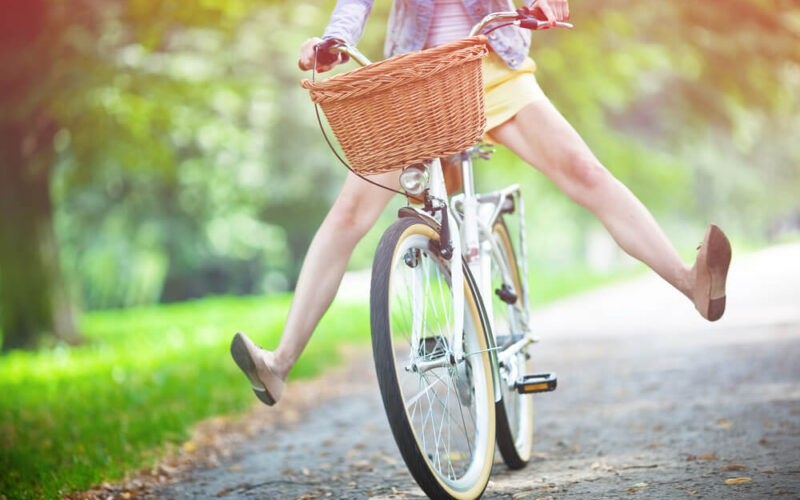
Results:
[156, 150]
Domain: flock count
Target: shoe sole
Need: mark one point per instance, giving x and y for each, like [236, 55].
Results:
[719, 260]
[245, 363]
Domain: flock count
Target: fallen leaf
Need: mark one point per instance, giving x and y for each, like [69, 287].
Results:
[690, 458]
[389, 460]
[360, 446]
[305, 471]
[189, 447]
[222, 493]
[521, 494]
[595, 465]
[167, 470]
[731, 467]
[692, 492]
[709, 456]
[738, 480]
[640, 485]
[725, 424]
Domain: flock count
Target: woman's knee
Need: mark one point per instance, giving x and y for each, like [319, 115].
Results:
[352, 216]
[581, 176]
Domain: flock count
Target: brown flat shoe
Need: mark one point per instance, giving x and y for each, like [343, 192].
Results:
[267, 386]
[711, 271]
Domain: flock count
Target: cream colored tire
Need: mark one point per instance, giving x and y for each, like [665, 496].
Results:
[441, 411]
[514, 410]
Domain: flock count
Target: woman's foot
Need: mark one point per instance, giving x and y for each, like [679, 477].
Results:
[256, 363]
[710, 272]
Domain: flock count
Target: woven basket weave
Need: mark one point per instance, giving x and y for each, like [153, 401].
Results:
[408, 108]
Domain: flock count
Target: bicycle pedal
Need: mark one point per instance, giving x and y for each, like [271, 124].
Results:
[537, 382]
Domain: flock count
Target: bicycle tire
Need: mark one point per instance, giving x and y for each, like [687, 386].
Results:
[469, 455]
[514, 411]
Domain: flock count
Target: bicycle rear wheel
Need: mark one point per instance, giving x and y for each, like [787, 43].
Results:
[514, 410]
[441, 410]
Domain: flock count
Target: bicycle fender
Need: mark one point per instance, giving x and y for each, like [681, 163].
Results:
[487, 331]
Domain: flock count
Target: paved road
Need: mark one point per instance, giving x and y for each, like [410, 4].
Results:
[652, 401]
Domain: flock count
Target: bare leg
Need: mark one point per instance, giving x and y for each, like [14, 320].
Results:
[353, 214]
[541, 136]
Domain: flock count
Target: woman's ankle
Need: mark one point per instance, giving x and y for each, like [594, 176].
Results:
[278, 363]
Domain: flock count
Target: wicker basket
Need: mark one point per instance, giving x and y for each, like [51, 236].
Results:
[408, 108]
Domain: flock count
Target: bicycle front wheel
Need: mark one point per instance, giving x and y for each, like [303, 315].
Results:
[441, 409]
[514, 410]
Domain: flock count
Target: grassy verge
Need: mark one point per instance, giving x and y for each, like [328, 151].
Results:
[73, 417]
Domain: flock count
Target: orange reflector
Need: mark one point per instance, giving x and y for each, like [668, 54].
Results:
[536, 387]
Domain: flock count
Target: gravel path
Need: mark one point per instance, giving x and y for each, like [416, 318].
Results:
[651, 402]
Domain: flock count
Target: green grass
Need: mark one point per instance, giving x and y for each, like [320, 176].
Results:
[73, 417]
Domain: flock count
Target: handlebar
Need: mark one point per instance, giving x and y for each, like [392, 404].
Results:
[520, 17]
[328, 50]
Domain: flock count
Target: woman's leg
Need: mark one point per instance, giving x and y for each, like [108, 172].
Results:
[541, 136]
[353, 214]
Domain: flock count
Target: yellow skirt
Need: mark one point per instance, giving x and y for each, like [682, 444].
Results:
[507, 90]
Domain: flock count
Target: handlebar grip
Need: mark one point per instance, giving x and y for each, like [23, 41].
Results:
[532, 23]
[326, 55]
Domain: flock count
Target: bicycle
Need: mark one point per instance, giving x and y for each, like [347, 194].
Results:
[450, 321]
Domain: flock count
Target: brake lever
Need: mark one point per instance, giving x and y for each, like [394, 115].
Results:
[528, 20]
[326, 54]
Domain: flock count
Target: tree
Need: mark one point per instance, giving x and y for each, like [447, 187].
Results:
[32, 296]
[55, 58]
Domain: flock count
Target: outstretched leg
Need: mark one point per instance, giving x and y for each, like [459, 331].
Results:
[354, 212]
[541, 136]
